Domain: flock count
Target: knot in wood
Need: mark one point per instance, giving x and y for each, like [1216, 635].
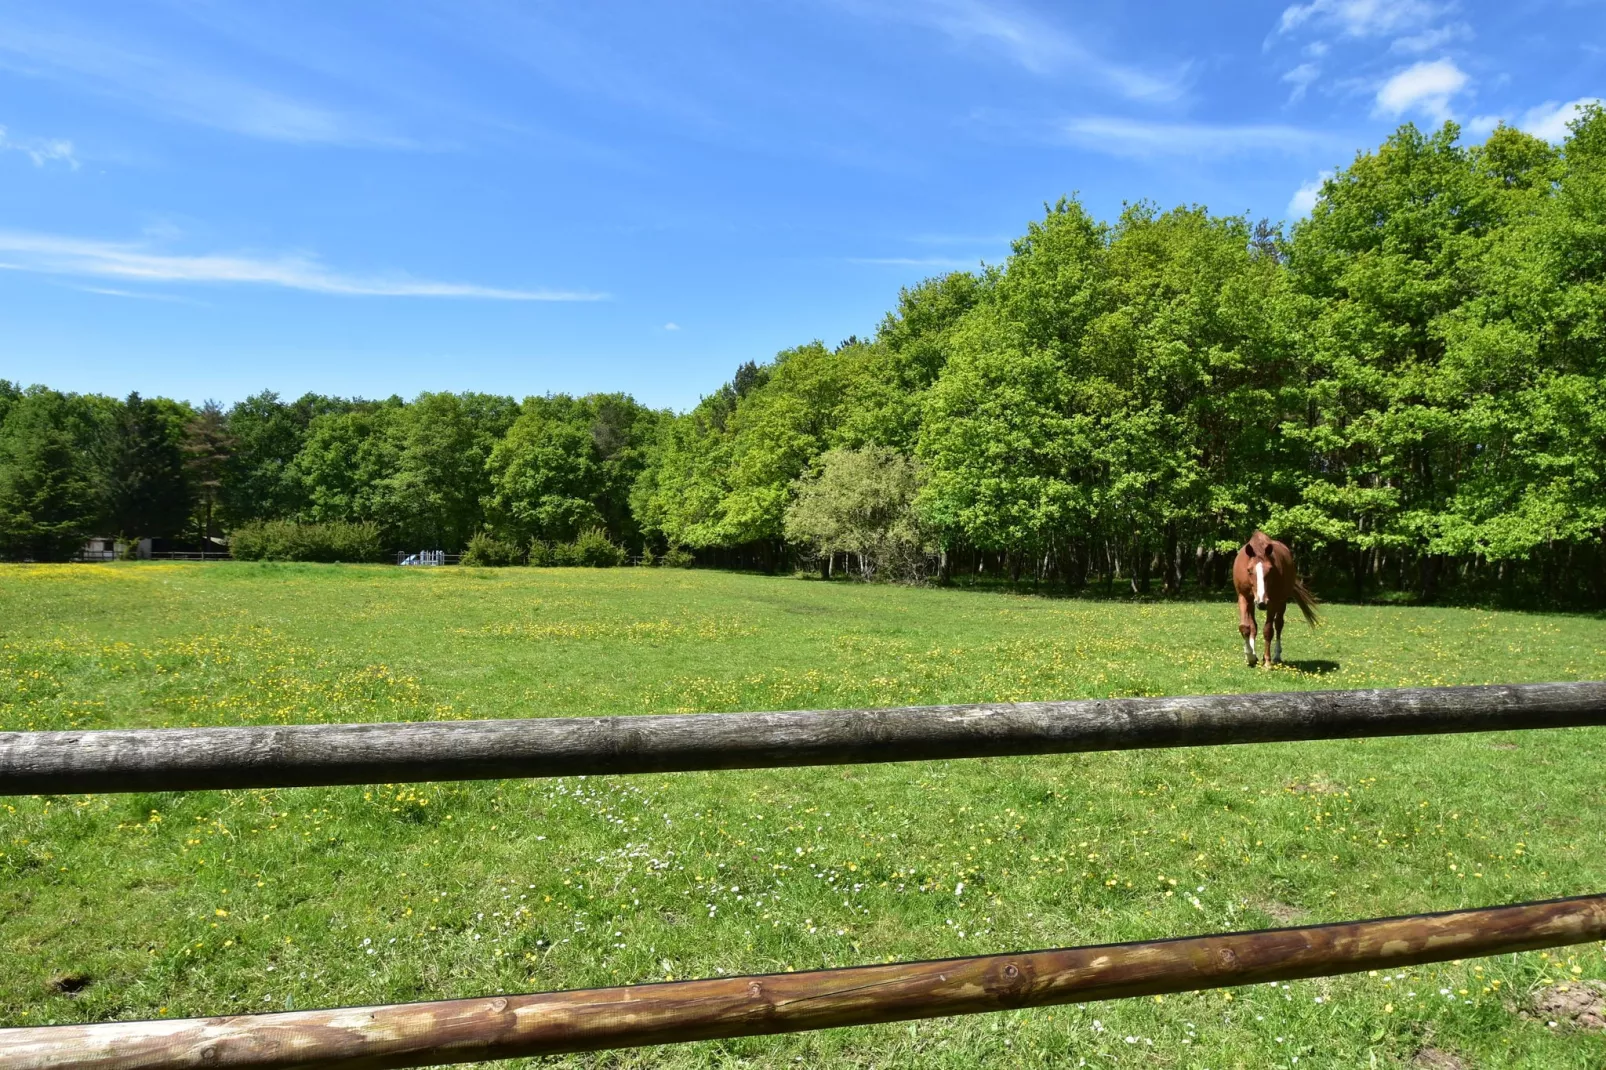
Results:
[1225, 958]
[1012, 983]
[755, 990]
[499, 1005]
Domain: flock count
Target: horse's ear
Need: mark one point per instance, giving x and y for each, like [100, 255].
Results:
[1249, 551]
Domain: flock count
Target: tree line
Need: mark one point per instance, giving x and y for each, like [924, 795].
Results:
[1407, 386]
[429, 473]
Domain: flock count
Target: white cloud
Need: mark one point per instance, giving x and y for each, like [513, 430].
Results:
[1026, 40]
[59, 255]
[1135, 137]
[671, 326]
[1433, 39]
[1301, 78]
[1359, 18]
[1305, 197]
[39, 151]
[169, 86]
[1425, 87]
[1482, 125]
[108, 291]
[1549, 120]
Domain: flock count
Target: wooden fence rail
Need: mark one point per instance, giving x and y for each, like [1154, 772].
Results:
[494, 1027]
[498, 1027]
[188, 759]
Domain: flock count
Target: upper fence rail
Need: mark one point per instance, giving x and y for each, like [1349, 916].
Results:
[194, 759]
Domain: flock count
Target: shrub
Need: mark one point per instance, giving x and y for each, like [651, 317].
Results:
[678, 557]
[487, 551]
[594, 549]
[286, 540]
[647, 558]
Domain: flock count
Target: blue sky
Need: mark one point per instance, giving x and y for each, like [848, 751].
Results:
[205, 199]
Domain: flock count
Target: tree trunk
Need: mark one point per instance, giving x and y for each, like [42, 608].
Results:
[1173, 560]
[1428, 585]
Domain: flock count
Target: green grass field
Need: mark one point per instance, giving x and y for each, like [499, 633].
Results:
[214, 903]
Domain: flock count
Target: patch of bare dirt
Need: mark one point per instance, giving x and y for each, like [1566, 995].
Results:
[1438, 1059]
[1281, 913]
[1581, 1005]
[1503, 746]
[68, 984]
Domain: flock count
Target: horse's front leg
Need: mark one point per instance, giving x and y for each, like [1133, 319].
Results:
[1275, 642]
[1246, 628]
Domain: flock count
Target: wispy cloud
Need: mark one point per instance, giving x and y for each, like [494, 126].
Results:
[1135, 137]
[1549, 120]
[671, 326]
[107, 291]
[40, 151]
[1432, 39]
[1425, 87]
[59, 255]
[1027, 40]
[1360, 18]
[170, 86]
[1301, 78]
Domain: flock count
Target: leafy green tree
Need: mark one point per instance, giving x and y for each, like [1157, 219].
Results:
[259, 481]
[862, 502]
[441, 481]
[1008, 434]
[147, 489]
[346, 466]
[545, 474]
[678, 495]
[207, 444]
[10, 394]
[49, 499]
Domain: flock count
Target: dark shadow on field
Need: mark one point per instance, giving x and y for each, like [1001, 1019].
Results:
[1312, 666]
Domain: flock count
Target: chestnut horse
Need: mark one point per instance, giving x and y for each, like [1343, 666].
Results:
[1263, 574]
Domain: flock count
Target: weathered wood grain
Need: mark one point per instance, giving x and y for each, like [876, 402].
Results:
[188, 759]
[498, 1027]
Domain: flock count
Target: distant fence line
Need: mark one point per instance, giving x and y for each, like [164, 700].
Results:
[494, 1027]
[427, 557]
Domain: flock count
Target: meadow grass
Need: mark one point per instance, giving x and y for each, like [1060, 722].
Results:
[226, 902]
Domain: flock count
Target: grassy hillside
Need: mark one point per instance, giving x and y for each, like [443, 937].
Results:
[258, 900]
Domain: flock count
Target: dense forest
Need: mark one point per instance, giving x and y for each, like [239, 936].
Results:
[1409, 386]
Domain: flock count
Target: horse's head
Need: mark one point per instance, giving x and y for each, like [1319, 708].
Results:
[1260, 565]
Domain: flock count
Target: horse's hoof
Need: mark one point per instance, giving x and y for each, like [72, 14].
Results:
[1253, 663]
[1276, 661]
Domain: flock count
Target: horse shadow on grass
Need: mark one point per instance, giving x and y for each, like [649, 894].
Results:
[1312, 666]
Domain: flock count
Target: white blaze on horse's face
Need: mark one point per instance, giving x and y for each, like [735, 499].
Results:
[1260, 585]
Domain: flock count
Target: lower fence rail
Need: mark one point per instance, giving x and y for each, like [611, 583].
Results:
[499, 1027]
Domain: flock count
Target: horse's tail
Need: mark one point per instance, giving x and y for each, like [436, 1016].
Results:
[1307, 602]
